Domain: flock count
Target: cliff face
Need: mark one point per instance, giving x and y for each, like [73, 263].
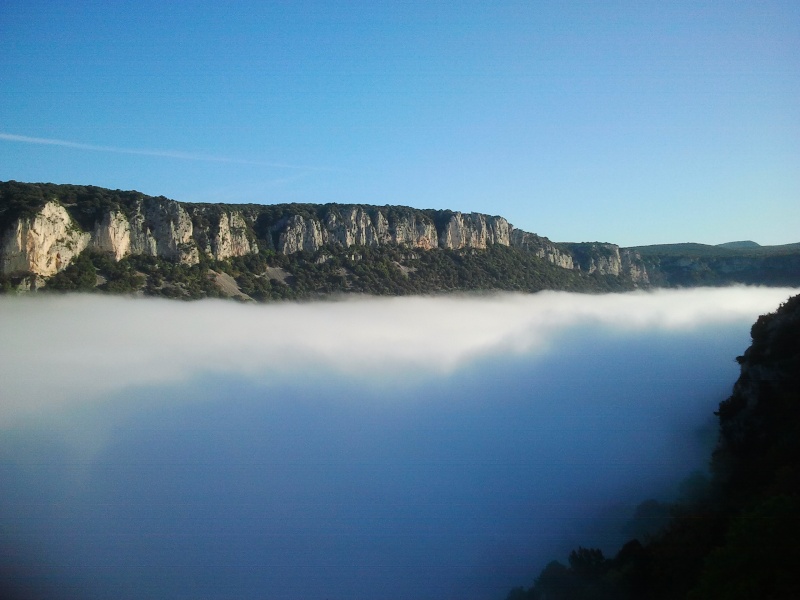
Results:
[43, 244]
[609, 259]
[353, 226]
[154, 228]
[542, 247]
[44, 226]
[474, 231]
[64, 220]
[232, 238]
[764, 408]
[632, 264]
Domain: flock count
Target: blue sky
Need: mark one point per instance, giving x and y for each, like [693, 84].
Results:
[627, 122]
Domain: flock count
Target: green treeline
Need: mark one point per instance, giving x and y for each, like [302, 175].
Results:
[385, 271]
[739, 536]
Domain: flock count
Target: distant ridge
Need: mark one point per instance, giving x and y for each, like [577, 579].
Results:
[742, 244]
[728, 249]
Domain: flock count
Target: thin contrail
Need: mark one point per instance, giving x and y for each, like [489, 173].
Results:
[10, 137]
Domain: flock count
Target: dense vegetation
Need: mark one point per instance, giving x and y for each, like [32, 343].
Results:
[689, 265]
[728, 250]
[737, 537]
[388, 270]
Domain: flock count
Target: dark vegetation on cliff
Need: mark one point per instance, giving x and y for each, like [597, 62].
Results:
[86, 204]
[689, 265]
[736, 535]
[386, 271]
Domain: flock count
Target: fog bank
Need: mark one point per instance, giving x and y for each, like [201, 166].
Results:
[400, 448]
[67, 349]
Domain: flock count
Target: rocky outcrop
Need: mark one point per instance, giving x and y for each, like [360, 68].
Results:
[130, 223]
[232, 237]
[113, 235]
[473, 230]
[353, 226]
[170, 226]
[759, 444]
[300, 234]
[633, 266]
[157, 227]
[43, 244]
[541, 247]
[600, 258]
[414, 231]
[609, 259]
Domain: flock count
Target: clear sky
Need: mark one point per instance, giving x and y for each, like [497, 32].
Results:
[628, 122]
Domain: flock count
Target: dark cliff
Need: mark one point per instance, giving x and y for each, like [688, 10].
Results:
[739, 537]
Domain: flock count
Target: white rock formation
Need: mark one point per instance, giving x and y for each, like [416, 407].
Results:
[43, 244]
[474, 231]
[46, 243]
[231, 238]
[541, 247]
[113, 235]
[300, 234]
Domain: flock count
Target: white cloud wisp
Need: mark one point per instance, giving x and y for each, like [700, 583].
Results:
[10, 137]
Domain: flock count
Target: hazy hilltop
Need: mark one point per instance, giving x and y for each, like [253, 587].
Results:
[740, 244]
[84, 238]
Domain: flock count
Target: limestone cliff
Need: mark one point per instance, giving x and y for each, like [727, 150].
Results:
[633, 266]
[542, 247]
[354, 226]
[155, 228]
[44, 226]
[113, 235]
[473, 230]
[609, 259]
[169, 225]
[46, 239]
[232, 237]
[42, 244]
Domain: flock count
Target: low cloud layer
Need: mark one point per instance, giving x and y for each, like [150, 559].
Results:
[402, 448]
[61, 350]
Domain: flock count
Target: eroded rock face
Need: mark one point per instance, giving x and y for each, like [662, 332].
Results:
[142, 239]
[473, 231]
[43, 244]
[170, 226]
[231, 238]
[300, 234]
[414, 231]
[113, 235]
[633, 266]
[47, 242]
[608, 262]
[596, 257]
[354, 226]
[541, 247]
